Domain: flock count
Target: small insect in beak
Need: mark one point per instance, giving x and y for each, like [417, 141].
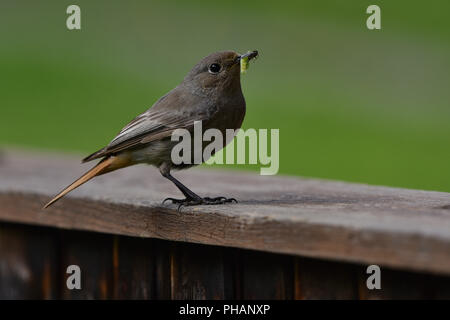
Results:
[245, 58]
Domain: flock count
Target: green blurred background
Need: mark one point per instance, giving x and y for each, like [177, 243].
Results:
[351, 104]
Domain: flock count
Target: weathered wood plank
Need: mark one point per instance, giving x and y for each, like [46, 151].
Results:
[266, 276]
[163, 253]
[93, 253]
[314, 218]
[400, 285]
[134, 268]
[28, 263]
[199, 272]
[316, 279]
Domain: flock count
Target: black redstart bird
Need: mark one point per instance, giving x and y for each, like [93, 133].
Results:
[211, 93]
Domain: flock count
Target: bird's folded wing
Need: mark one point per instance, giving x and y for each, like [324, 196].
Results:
[147, 127]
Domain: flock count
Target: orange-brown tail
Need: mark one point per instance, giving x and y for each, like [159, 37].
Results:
[106, 165]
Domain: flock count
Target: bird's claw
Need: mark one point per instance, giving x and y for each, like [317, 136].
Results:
[219, 200]
[171, 199]
[202, 201]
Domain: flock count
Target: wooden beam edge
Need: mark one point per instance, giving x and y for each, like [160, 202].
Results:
[404, 251]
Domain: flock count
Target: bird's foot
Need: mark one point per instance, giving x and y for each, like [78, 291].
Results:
[200, 201]
[218, 200]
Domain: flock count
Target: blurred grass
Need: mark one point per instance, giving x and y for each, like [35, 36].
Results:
[351, 104]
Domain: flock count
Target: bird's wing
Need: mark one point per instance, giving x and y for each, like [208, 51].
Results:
[155, 124]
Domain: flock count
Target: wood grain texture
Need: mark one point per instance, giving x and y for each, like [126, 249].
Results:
[28, 263]
[163, 255]
[400, 285]
[318, 280]
[134, 268]
[93, 253]
[33, 262]
[392, 227]
[265, 276]
[200, 272]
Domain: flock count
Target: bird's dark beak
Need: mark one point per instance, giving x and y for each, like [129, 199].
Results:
[250, 55]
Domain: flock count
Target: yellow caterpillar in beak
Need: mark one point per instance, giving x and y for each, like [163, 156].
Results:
[244, 64]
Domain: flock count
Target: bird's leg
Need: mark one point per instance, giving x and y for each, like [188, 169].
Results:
[191, 197]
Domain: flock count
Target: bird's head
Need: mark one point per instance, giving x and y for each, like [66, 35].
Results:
[219, 70]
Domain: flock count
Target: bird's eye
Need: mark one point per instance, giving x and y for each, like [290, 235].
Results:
[214, 68]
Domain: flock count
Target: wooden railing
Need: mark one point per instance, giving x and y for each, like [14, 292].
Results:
[286, 238]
